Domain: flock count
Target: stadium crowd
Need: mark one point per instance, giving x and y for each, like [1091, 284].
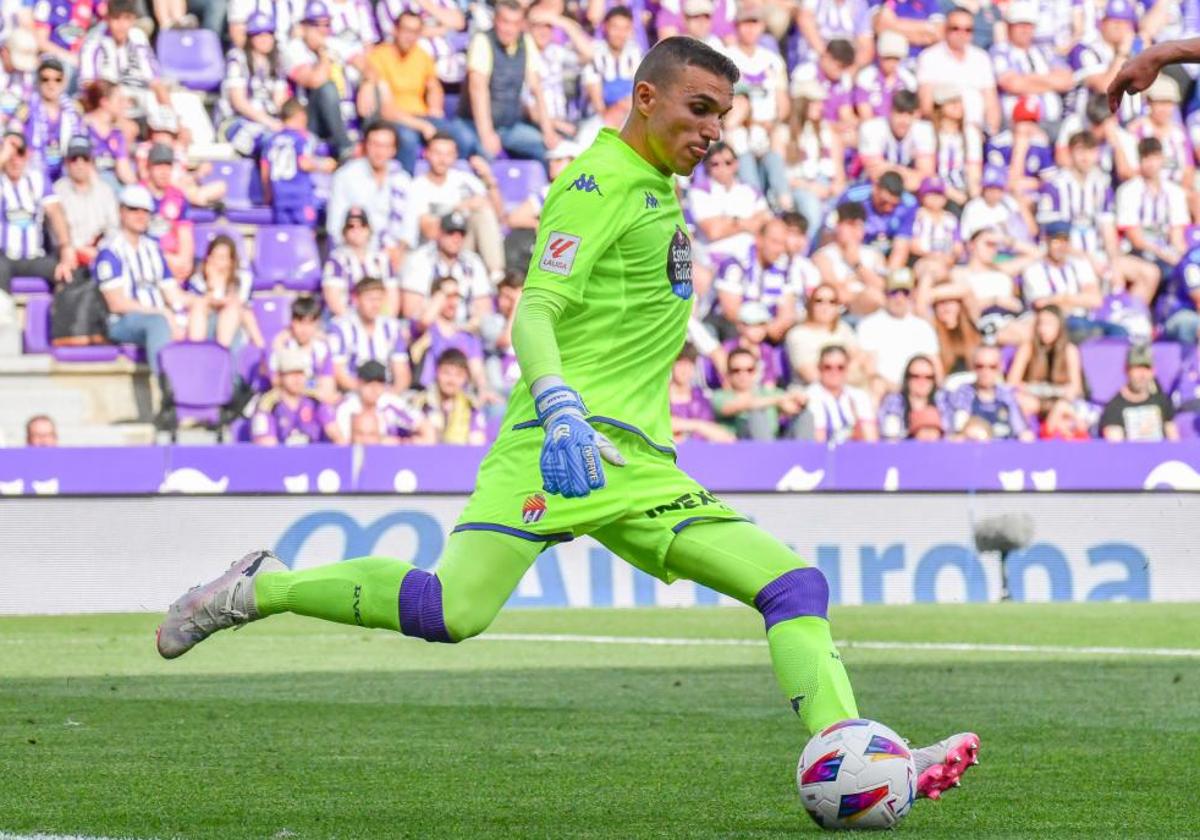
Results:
[920, 216]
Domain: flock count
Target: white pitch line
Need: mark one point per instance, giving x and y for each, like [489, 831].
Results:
[961, 647]
[6, 836]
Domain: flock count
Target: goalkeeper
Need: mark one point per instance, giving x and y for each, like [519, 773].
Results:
[586, 442]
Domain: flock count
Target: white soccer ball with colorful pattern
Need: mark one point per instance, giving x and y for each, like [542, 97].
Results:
[857, 774]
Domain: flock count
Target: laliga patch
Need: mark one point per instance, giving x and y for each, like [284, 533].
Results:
[559, 254]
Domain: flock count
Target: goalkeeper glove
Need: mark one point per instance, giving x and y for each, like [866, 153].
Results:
[572, 450]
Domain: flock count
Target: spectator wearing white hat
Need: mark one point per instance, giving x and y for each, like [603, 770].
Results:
[956, 58]
[1024, 68]
[875, 84]
[133, 276]
[958, 145]
[894, 334]
[698, 23]
[287, 414]
[814, 155]
[27, 206]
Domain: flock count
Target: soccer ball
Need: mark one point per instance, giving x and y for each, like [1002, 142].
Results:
[856, 774]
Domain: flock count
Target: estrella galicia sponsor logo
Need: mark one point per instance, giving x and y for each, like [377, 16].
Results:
[688, 501]
[533, 509]
[587, 184]
[559, 254]
[651, 201]
[679, 264]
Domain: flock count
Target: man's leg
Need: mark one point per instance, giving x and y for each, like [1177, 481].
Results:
[408, 146]
[523, 140]
[741, 560]
[486, 239]
[324, 112]
[1183, 326]
[473, 580]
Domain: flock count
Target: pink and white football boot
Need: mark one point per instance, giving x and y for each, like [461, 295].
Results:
[941, 765]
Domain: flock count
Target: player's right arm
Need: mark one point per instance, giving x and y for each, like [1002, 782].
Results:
[1139, 73]
[578, 226]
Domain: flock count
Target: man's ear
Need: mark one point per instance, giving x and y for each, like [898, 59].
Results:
[645, 97]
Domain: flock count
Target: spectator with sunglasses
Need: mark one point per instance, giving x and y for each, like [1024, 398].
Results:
[728, 213]
[836, 411]
[822, 327]
[748, 409]
[994, 300]
[919, 394]
[692, 415]
[970, 67]
[54, 118]
[27, 205]
[359, 256]
[894, 334]
[88, 202]
[989, 401]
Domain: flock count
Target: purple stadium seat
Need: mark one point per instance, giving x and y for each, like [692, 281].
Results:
[287, 255]
[132, 352]
[1007, 352]
[29, 285]
[192, 57]
[37, 324]
[518, 179]
[249, 370]
[90, 353]
[273, 313]
[206, 232]
[200, 376]
[1104, 367]
[200, 215]
[240, 177]
[1168, 360]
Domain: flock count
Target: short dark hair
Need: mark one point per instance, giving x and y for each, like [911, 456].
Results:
[441, 135]
[891, 181]
[851, 211]
[510, 6]
[511, 280]
[793, 219]
[715, 149]
[1084, 139]
[290, 108]
[841, 51]
[440, 283]
[1149, 146]
[618, 11]
[453, 356]
[689, 352]
[670, 55]
[405, 12]
[379, 125]
[739, 351]
[1097, 110]
[306, 308]
[121, 7]
[904, 101]
[831, 349]
[368, 284]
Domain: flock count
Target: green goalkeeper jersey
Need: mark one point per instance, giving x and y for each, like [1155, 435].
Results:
[613, 242]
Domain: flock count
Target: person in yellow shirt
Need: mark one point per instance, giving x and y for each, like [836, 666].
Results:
[402, 87]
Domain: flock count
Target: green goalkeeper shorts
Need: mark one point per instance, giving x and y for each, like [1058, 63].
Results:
[636, 515]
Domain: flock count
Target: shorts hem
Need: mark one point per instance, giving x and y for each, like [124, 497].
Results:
[559, 536]
[693, 520]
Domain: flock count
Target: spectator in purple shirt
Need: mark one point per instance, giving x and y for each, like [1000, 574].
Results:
[877, 83]
[287, 414]
[289, 158]
[834, 71]
[692, 415]
[447, 331]
[103, 115]
[27, 204]
[304, 333]
[918, 392]
[53, 118]
[990, 400]
[61, 26]
[366, 334]
[456, 418]
[752, 321]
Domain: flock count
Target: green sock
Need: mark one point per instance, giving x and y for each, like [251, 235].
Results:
[364, 591]
[810, 671]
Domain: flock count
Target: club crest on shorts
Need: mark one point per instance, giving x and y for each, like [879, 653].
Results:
[679, 264]
[533, 509]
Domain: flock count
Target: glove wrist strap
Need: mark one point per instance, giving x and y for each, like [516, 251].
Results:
[555, 399]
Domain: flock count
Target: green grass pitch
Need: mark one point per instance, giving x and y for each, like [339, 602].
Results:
[295, 728]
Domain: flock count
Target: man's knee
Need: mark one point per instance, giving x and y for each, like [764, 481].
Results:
[795, 594]
[421, 610]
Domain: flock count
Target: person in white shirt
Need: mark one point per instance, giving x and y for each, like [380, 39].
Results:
[728, 213]
[765, 278]
[319, 74]
[1152, 212]
[853, 268]
[119, 52]
[608, 79]
[893, 335]
[957, 59]
[995, 209]
[836, 412]
[757, 125]
[899, 142]
[446, 256]
[359, 256]
[446, 188]
[1024, 68]
[1065, 280]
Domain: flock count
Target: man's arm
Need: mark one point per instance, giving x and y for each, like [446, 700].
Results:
[1139, 73]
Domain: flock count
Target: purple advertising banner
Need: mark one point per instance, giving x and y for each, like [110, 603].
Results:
[737, 468]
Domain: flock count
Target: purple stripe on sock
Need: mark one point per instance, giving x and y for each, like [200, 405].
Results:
[421, 607]
[793, 594]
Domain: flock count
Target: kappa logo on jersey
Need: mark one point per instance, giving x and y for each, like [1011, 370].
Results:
[534, 508]
[586, 183]
[679, 264]
[559, 254]
[651, 201]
